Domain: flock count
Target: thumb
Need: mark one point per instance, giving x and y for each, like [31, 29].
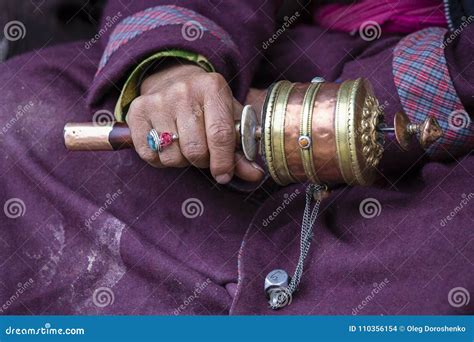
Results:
[247, 170]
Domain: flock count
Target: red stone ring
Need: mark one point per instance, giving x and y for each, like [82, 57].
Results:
[158, 141]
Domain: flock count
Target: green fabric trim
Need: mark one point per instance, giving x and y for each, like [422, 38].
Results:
[131, 90]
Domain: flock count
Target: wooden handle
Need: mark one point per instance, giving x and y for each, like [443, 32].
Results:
[90, 136]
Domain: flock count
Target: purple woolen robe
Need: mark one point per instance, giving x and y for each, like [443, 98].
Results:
[104, 233]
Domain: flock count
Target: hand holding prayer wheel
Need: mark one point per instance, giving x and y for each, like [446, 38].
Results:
[190, 114]
[319, 132]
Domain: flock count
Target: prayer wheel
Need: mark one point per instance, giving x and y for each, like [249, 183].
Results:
[322, 132]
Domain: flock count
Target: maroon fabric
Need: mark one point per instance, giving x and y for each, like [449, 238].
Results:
[152, 257]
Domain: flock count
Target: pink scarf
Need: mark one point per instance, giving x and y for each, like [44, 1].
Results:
[394, 16]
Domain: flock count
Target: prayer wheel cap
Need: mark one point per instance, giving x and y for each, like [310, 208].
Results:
[429, 131]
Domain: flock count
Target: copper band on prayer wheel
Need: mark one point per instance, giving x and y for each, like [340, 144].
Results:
[322, 133]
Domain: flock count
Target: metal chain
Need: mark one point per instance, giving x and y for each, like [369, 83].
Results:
[309, 218]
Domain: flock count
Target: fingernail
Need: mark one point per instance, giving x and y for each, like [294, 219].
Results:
[256, 166]
[223, 179]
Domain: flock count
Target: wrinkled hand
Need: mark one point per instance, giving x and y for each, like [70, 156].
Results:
[200, 108]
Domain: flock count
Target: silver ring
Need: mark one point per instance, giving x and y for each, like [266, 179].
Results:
[158, 141]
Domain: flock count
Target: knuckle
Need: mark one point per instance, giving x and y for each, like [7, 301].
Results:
[166, 159]
[181, 88]
[220, 134]
[195, 151]
[217, 83]
[135, 122]
[147, 155]
[138, 105]
[171, 160]
[219, 94]
[143, 104]
[222, 165]
[197, 112]
[216, 78]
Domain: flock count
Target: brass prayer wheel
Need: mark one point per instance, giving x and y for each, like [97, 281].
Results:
[322, 132]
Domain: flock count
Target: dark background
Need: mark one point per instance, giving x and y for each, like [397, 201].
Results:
[50, 22]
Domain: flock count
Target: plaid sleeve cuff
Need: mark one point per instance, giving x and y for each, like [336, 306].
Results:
[425, 88]
[131, 87]
[193, 26]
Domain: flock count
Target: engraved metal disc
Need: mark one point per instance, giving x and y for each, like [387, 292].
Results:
[248, 128]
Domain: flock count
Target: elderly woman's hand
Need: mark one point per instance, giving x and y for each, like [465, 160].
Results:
[200, 108]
